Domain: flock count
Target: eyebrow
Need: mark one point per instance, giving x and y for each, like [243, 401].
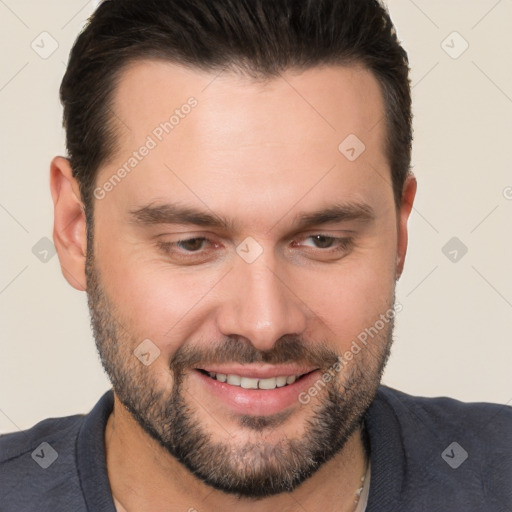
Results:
[168, 213]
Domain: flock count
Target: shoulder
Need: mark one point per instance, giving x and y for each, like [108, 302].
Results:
[17, 444]
[451, 415]
[38, 466]
[452, 452]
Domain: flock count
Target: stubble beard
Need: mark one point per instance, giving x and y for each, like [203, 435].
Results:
[257, 469]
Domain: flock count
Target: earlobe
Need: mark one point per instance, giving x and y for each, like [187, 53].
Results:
[69, 227]
[408, 195]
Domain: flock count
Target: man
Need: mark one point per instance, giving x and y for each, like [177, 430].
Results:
[235, 205]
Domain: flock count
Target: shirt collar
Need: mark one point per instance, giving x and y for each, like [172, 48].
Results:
[387, 455]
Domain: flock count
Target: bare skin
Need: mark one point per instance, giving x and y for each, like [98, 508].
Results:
[257, 154]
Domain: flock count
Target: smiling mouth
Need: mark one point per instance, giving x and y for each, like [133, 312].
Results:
[253, 383]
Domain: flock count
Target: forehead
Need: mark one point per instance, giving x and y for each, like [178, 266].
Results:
[219, 135]
[331, 99]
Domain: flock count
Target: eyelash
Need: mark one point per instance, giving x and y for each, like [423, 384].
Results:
[344, 244]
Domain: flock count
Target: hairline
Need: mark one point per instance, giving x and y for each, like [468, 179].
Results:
[236, 68]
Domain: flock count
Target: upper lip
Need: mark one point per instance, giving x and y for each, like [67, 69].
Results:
[258, 372]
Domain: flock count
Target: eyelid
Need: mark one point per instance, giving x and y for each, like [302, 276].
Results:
[342, 247]
[340, 243]
[326, 234]
[188, 237]
[167, 244]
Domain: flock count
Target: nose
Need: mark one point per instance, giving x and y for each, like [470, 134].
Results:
[258, 303]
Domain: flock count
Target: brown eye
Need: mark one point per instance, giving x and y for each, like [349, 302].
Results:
[192, 244]
[189, 248]
[323, 242]
[325, 247]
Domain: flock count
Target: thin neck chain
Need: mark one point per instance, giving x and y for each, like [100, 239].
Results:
[362, 491]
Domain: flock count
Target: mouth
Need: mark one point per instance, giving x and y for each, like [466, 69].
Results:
[244, 382]
[255, 391]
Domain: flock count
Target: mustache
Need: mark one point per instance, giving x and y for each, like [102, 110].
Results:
[235, 349]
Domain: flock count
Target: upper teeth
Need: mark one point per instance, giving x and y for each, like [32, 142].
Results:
[251, 383]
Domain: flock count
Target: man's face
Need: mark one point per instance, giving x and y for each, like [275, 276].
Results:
[260, 298]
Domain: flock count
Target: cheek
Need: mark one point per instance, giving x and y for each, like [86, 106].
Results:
[154, 300]
[349, 298]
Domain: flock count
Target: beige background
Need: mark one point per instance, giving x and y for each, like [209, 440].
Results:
[453, 335]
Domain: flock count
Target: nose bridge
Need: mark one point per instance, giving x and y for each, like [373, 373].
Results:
[258, 303]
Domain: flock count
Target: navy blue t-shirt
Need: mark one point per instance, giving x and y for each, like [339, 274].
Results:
[427, 454]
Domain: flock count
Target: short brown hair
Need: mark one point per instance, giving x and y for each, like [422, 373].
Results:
[260, 37]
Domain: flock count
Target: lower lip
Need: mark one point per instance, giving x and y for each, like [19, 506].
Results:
[258, 402]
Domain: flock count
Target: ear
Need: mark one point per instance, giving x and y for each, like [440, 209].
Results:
[408, 195]
[69, 227]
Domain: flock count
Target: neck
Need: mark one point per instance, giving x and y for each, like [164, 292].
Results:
[144, 477]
